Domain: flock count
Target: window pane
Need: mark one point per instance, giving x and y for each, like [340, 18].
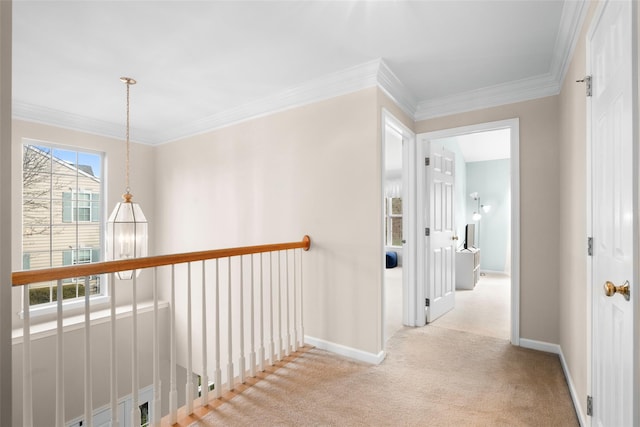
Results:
[61, 215]
[396, 206]
[396, 231]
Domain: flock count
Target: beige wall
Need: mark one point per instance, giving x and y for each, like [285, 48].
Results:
[539, 206]
[311, 170]
[573, 298]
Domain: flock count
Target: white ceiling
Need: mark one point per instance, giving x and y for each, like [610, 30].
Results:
[205, 64]
[483, 146]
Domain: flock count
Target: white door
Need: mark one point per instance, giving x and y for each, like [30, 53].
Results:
[613, 216]
[438, 216]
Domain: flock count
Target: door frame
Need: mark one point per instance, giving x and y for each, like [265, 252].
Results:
[514, 126]
[409, 220]
[635, 299]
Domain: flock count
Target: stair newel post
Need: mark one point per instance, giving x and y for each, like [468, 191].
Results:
[241, 360]
[189, 385]
[204, 380]
[157, 395]
[229, 329]
[218, 373]
[272, 346]
[135, 388]
[252, 350]
[173, 391]
[114, 364]
[287, 348]
[88, 409]
[27, 393]
[59, 360]
[261, 349]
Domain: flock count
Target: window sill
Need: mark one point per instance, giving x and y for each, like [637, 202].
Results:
[75, 322]
[52, 308]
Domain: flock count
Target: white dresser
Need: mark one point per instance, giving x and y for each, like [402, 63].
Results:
[467, 268]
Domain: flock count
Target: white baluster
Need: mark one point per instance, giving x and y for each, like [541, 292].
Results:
[241, 361]
[189, 385]
[135, 409]
[272, 346]
[261, 349]
[88, 404]
[218, 373]
[279, 308]
[287, 349]
[173, 392]
[252, 351]
[301, 303]
[204, 380]
[27, 383]
[229, 328]
[295, 305]
[156, 416]
[59, 361]
[114, 355]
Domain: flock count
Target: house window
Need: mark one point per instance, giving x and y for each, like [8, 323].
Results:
[61, 216]
[393, 221]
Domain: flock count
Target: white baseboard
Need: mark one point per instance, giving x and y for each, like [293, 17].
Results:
[540, 346]
[556, 349]
[343, 350]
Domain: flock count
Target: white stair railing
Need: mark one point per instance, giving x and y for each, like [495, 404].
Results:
[265, 308]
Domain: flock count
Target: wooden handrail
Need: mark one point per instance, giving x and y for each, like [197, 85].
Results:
[20, 278]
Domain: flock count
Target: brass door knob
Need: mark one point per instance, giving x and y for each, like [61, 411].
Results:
[454, 238]
[610, 290]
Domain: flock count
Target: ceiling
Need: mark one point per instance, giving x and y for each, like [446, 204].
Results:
[201, 65]
[483, 146]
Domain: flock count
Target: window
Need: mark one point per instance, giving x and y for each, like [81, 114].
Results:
[393, 221]
[61, 216]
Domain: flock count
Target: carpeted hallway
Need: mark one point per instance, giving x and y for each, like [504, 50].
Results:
[431, 377]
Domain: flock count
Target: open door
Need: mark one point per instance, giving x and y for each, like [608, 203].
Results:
[436, 262]
[614, 209]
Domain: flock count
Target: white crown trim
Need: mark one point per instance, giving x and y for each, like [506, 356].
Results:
[508, 93]
[335, 84]
[64, 120]
[370, 74]
[396, 90]
[571, 21]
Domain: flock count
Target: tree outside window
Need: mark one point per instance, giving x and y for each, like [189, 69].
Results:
[61, 216]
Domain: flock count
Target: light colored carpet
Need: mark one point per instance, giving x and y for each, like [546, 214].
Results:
[485, 310]
[432, 376]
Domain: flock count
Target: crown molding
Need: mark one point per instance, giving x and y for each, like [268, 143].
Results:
[573, 15]
[508, 93]
[64, 120]
[571, 21]
[335, 84]
[396, 90]
[375, 73]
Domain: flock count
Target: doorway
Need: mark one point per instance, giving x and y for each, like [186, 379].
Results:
[487, 198]
[398, 147]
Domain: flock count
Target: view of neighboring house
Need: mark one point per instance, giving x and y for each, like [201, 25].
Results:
[61, 216]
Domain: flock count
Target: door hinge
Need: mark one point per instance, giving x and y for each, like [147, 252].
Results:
[427, 232]
[587, 81]
[426, 302]
[589, 406]
[590, 246]
[427, 161]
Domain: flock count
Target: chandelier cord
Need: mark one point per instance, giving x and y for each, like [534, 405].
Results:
[127, 161]
[128, 81]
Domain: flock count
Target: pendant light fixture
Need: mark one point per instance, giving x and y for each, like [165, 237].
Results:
[127, 228]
